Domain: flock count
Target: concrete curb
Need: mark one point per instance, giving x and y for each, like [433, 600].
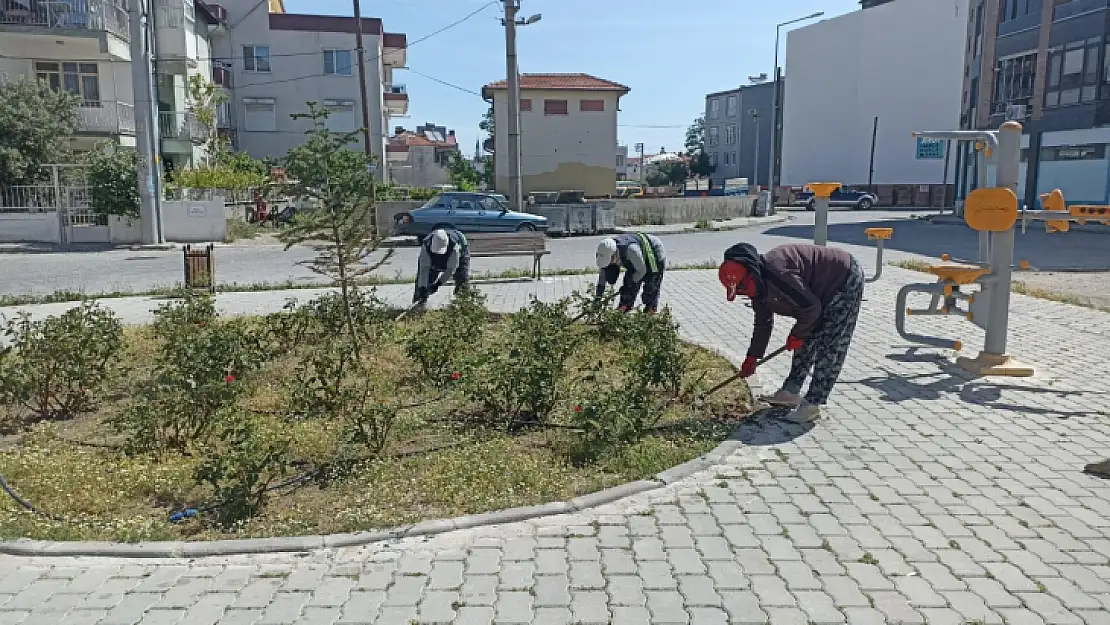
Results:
[752, 222]
[302, 544]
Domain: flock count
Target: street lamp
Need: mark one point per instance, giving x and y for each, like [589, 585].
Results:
[512, 79]
[755, 158]
[770, 196]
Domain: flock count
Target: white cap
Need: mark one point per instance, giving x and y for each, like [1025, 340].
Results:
[606, 253]
[438, 244]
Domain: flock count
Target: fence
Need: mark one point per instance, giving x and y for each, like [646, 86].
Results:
[64, 188]
[68, 15]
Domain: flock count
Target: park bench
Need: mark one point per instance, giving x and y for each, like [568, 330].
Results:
[525, 243]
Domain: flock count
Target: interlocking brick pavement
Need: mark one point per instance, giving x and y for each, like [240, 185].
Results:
[924, 496]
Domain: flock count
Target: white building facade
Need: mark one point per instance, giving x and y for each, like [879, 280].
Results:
[83, 47]
[276, 62]
[901, 62]
[568, 125]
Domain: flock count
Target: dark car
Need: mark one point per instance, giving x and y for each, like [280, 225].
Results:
[846, 197]
[466, 212]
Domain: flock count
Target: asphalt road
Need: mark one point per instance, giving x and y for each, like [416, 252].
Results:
[104, 271]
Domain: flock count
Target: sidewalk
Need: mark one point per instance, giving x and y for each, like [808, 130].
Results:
[715, 225]
[924, 496]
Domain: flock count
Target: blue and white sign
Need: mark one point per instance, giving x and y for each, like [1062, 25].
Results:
[930, 149]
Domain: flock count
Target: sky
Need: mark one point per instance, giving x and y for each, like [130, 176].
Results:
[670, 54]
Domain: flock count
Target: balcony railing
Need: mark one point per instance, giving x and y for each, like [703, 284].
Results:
[181, 125]
[93, 15]
[106, 117]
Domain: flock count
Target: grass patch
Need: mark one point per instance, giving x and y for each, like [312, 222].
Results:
[911, 264]
[703, 224]
[445, 456]
[238, 229]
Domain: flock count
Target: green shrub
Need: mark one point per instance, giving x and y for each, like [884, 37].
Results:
[56, 366]
[114, 182]
[600, 312]
[199, 373]
[519, 380]
[324, 318]
[612, 418]
[655, 356]
[442, 345]
[241, 470]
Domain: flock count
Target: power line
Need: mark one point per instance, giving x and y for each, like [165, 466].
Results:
[445, 83]
[649, 126]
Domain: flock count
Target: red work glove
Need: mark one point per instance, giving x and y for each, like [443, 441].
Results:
[793, 343]
[748, 368]
[624, 309]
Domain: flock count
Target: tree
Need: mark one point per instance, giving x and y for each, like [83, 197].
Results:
[114, 182]
[695, 147]
[35, 122]
[671, 173]
[487, 124]
[462, 172]
[204, 99]
[339, 227]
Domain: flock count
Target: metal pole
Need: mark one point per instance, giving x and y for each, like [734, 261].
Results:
[944, 181]
[1007, 161]
[821, 221]
[769, 196]
[360, 55]
[755, 158]
[871, 167]
[985, 238]
[516, 193]
[146, 125]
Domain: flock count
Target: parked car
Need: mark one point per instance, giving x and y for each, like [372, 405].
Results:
[843, 196]
[467, 212]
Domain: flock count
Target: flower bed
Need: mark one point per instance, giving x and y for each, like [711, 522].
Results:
[292, 424]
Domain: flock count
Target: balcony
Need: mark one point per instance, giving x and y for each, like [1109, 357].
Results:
[396, 100]
[221, 76]
[181, 126]
[396, 153]
[394, 47]
[106, 118]
[65, 15]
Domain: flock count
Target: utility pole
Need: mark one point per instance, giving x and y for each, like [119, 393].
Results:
[871, 166]
[640, 149]
[755, 158]
[512, 75]
[360, 55]
[146, 123]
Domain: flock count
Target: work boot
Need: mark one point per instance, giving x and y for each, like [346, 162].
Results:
[804, 413]
[783, 397]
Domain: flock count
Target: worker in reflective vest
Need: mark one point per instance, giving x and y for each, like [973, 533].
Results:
[443, 253]
[644, 260]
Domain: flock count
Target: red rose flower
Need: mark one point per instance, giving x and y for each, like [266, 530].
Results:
[578, 408]
[456, 375]
[229, 379]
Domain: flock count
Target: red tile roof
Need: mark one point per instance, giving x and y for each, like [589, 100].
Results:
[583, 82]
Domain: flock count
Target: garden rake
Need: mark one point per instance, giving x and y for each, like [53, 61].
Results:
[700, 399]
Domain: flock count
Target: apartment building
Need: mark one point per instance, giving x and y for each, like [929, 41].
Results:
[418, 158]
[568, 126]
[1045, 63]
[622, 162]
[82, 46]
[738, 132]
[900, 62]
[273, 62]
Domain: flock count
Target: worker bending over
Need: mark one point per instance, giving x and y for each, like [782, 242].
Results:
[644, 260]
[444, 253]
[821, 288]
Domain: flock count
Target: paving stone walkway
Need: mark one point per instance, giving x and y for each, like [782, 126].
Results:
[925, 496]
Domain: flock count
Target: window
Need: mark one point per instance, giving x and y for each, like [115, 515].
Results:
[525, 104]
[730, 134]
[1073, 73]
[730, 106]
[554, 107]
[336, 62]
[714, 108]
[620, 160]
[80, 79]
[341, 115]
[223, 115]
[729, 158]
[259, 115]
[1013, 82]
[714, 135]
[713, 159]
[256, 58]
[591, 106]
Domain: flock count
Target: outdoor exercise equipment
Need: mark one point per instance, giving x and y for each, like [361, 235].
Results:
[993, 212]
[878, 235]
[822, 191]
